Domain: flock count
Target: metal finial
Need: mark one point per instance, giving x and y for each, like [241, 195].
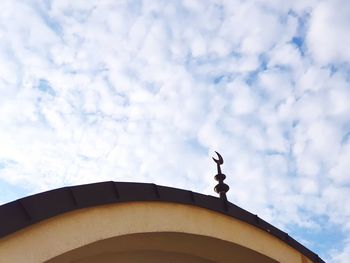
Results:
[221, 188]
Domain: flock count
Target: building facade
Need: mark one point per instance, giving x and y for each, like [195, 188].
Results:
[135, 222]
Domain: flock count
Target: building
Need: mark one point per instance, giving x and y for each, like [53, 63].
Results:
[136, 222]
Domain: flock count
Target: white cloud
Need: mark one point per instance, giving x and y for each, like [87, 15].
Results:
[339, 173]
[244, 101]
[340, 256]
[329, 37]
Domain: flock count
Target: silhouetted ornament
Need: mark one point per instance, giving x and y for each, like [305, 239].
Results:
[221, 188]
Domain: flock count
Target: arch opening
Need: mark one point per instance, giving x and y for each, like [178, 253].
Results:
[161, 247]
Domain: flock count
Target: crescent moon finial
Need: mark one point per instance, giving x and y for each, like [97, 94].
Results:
[221, 188]
[220, 160]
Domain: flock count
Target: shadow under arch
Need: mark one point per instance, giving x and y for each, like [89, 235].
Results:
[159, 247]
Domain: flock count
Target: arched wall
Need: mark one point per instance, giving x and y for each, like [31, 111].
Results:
[73, 230]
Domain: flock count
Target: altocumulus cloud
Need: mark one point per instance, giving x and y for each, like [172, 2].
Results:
[146, 90]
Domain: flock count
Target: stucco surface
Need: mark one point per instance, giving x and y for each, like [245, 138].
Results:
[73, 230]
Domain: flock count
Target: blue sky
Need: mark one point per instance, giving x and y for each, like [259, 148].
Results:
[147, 90]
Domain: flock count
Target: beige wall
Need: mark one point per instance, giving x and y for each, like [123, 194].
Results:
[64, 234]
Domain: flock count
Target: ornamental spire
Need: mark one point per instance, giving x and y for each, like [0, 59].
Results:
[221, 188]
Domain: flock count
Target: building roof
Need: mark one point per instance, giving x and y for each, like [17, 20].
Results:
[27, 211]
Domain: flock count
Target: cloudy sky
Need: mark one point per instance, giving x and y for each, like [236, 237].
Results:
[146, 91]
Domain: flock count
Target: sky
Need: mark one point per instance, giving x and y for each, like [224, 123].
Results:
[146, 91]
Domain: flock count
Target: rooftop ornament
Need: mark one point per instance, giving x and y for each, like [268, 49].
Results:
[221, 188]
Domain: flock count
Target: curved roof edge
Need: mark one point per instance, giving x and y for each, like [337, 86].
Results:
[27, 211]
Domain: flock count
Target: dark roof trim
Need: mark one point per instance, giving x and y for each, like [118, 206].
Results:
[32, 209]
